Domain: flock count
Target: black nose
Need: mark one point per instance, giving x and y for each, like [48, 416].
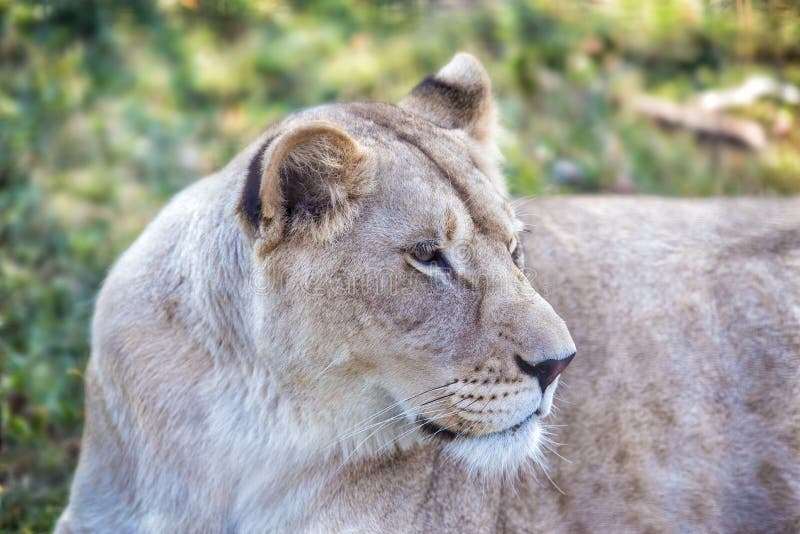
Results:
[546, 371]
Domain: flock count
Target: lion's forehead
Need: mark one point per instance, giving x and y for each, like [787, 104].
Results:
[453, 163]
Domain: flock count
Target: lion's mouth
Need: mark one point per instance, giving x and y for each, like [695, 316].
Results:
[440, 432]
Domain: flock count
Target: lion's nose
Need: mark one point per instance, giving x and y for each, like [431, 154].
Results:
[545, 371]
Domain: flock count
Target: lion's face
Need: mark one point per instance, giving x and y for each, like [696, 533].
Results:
[403, 273]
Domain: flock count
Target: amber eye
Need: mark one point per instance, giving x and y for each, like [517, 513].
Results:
[515, 250]
[424, 254]
[428, 254]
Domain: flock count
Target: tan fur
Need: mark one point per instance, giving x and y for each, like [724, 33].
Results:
[262, 354]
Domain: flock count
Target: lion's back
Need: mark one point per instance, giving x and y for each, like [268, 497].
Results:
[683, 408]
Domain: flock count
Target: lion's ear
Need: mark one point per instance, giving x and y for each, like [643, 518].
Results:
[305, 181]
[458, 96]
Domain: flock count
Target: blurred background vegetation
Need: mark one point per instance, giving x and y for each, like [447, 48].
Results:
[107, 109]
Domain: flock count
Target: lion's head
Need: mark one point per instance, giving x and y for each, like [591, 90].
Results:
[395, 294]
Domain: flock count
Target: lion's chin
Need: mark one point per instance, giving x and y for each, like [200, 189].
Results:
[499, 454]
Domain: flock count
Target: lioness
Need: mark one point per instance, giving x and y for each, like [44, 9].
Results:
[336, 333]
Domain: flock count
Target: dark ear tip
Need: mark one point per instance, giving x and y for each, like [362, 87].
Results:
[458, 96]
[250, 200]
[313, 171]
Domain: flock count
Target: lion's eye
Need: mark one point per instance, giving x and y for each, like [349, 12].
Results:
[516, 251]
[428, 254]
[425, 255]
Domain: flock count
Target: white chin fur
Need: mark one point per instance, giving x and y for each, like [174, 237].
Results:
[498, 455]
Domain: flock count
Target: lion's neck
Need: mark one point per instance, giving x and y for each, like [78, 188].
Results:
[298, 435]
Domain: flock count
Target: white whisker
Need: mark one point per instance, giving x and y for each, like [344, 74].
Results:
[358, 425]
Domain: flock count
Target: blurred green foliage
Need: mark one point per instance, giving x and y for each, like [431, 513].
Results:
[107, 109]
